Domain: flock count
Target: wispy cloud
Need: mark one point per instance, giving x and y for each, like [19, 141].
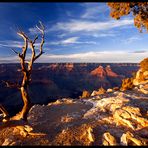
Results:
[9, 59]
[93, 9]
[90, 26]
[104, 57]
[35, 31]
[62, 35]
[71, 40]
[11, 44]
[103, 34]
[140, 51]
[19, 44]
[131, 39]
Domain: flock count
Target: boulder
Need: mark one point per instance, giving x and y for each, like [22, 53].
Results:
[109, 90]
[129, 139]
[108, 139]
[130, 117]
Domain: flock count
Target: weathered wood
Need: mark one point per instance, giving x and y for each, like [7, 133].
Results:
[4, 111]
[28, 70]
[26, 67]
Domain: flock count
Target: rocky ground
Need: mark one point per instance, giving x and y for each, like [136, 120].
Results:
[114, 118]
[117, 118]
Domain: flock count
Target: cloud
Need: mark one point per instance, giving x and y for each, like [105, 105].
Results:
[61, 35]
[11, 44]
[90, 26]
[103, 34]
[9, 59]
[131, 39]
[93, 9]
[102, 57]
[142, 51]
[19, 44]
[71, 40]
[35, 31]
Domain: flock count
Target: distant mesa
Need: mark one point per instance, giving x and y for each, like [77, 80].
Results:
[53, 66]
[103, 72]
[68, 66]
[110, 72]
[99, 72]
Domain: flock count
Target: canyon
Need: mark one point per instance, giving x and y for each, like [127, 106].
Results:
[114, 118]
[52, 81]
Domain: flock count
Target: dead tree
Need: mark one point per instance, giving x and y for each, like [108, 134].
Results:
[26, 67]
[3, 110]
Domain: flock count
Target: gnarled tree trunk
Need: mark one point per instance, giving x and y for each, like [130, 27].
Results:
[27, 70]
[27, 103]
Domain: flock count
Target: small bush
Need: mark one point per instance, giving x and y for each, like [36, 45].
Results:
[144, 64]
[85, 94]
[101, 90]
[127, 84]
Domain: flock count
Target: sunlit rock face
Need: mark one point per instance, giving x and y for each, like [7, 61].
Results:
[108, 139]
[99, 92]
[141, 77]
[57, 66]
[109, 71]
[114, 118]
[141, 80]
[103, 72]
[99, 72]
[142, 74]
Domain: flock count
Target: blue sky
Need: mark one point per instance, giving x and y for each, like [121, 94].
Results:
[75, 32]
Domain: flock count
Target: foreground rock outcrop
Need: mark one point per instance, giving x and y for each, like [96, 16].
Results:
[117, 118]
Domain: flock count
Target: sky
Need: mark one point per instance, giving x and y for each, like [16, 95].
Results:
[75, 32]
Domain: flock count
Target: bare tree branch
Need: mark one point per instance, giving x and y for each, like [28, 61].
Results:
[3, 110]
[32, 57]
[24, 49]
[26, 70]
[41, 29]
[35, 39]
[15, 51]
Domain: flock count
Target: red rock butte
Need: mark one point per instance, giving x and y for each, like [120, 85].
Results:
[101, 72]
[110, 72]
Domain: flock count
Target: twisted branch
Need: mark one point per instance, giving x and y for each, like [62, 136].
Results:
[26, 67]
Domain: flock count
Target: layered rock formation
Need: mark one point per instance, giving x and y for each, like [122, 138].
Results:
[109, 71]
[103, 72]
[140, 81]
[99, 72]
[48, 79]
